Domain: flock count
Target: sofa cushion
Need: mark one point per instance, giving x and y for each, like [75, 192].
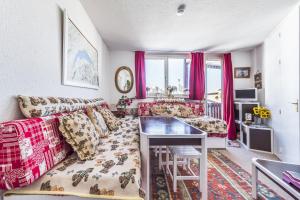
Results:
[184, 111]
[172, 110]
[144, 108]
[98, 122]
[113, 174]
[214, 127]
[80, 133]
[44, 106]
[28, 149]
[164, 110]
[112, 122]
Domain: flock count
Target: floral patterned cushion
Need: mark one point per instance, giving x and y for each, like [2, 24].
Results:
[112, 122]
[162, 110]
[98, 122]
[113, 174]
[144, 108]
[214, 127]
[44, 106]
[170, 100]
[81, 134]
[184, 111]
[172, 110]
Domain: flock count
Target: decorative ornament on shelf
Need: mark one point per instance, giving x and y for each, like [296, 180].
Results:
[261, 113]
[148, 90]
[170, 90]
[248, 118]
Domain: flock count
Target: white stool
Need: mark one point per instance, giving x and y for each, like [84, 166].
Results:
[186, 152]
[159, 151]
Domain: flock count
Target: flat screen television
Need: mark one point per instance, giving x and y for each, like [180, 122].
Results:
[245, 94]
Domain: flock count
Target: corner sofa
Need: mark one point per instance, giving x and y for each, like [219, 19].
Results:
[192, 113]
[36, 162]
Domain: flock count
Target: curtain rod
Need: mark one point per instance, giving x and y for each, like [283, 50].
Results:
[182, 52]
[198, 50]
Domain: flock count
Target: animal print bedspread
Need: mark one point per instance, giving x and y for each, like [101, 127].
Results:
[114, 174]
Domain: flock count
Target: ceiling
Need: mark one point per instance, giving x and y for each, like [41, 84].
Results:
[210, 25]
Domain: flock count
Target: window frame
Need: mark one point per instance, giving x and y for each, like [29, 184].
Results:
[166, 58]
[220, 59]
[206, 66]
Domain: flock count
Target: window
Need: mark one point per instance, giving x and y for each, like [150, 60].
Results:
[155, 76]
[214, 80]
[166, 71]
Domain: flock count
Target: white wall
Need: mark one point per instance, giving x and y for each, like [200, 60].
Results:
[31, 52]
[242, 59]
[119, 59]
[279, 57]
[257, 56]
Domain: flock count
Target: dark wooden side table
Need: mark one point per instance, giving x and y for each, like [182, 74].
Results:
[257, 137]
[273, 170]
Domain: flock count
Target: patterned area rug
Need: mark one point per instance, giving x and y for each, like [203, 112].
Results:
[226, 180]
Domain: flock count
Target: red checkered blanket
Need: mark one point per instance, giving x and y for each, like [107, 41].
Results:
[28, 149]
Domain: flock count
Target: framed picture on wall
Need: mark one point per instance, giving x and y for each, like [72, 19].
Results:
[258, 80]
[80, 57]
[242, 72]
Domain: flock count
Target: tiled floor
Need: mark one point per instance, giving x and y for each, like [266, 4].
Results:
[243, 157]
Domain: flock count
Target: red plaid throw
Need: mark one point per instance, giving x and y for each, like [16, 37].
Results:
[28, 149]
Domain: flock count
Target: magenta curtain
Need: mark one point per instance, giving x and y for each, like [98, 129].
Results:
[228, 104]
[197, 77]
[140, 80]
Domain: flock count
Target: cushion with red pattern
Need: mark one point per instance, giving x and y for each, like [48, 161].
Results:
[144, 108]
[28, 149]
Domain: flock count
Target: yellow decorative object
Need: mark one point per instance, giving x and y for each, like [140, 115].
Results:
[262, 112]
[256, 110]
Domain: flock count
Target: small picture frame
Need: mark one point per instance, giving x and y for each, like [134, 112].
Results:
[248, 116]
[242, 72]
[258, 80]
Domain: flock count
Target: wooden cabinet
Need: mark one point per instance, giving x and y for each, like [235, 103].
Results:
[241, 108]
[258, 138]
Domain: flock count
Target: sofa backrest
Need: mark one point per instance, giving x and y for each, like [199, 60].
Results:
[32, 106]
[29, 148]
[144, 108]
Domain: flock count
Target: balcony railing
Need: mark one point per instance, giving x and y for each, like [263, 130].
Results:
[214, 109]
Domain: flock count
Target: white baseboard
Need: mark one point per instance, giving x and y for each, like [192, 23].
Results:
[45, 197]
[216, 143]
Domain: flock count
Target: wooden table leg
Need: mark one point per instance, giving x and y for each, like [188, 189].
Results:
[254, 181]
[160, 158]
[203, 170]
[146, 174]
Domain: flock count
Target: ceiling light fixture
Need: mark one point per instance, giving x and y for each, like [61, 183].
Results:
[180, 10]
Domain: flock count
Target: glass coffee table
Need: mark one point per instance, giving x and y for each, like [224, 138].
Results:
[273, 170]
